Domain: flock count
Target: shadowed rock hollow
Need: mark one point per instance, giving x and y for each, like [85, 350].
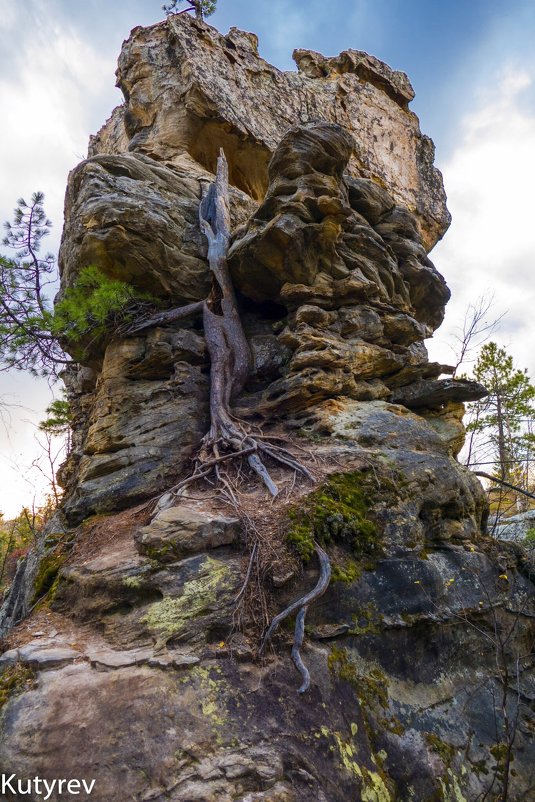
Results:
[139, 664]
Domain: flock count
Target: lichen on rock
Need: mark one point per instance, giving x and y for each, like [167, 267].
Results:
[170, 616]
[144, 659]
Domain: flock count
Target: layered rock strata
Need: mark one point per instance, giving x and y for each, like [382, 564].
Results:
[138, 664]
[189, 89]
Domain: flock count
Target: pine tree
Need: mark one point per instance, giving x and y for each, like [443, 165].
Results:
[26, 341]
[202, 8]
[32, 333]
[501, 424]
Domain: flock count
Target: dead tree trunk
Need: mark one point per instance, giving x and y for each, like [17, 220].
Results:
[226, 342]
[228, 437]
[230, 359]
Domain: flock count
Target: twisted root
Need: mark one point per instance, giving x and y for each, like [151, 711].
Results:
[229, 440]
[302, 605]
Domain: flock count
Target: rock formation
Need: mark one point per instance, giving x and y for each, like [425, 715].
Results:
[135, 656]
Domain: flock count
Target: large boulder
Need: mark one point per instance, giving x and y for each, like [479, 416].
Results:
[137, 220]
[189, 88]
[140, 423]
[139, 662]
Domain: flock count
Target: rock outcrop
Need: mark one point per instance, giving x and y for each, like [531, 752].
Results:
[329, 259]
[189, 89]
[137, 664]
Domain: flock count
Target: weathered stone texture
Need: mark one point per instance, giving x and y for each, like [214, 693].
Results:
[188, 88]
[144, 645]
[141, 424]
[402, 703]
[182, 530]
[137, 220]
[351, 269]
[327, 236]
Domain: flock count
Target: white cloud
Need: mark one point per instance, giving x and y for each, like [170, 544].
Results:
[491, 243]
[47, 107]
[59, 90]
[8, 15]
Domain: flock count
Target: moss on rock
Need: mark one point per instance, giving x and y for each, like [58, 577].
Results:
[367, 621]
[15, 680]
[337, 512]
[346, 571]
[46, 579]
[132, 582]
[375, 786]
[443, 749]
[370, 689]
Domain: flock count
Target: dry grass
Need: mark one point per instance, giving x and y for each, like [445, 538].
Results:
[100, 532]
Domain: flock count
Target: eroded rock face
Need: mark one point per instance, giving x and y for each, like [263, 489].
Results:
[169, 695]
[358, 296]
[140, 424]
[188, 88]
[137, 220]
[350, 267]
[182, 530]
[139, 667]
[328, 244]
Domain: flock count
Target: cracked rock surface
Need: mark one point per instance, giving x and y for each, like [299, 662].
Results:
[130, 654]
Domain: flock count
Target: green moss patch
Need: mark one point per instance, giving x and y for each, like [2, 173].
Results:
[47, 575]
[15, 680]
[371, 689]
[443, 749]
[368, 621]
[346, 570]
[338, 512]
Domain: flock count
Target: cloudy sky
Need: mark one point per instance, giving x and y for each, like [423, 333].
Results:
[472, 65]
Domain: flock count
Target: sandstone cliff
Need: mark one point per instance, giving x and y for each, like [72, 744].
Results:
[138, 664]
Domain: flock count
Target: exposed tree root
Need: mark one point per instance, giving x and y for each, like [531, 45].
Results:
[162, 318]
[299, 636]
[230, 439]
[232, 443]
[248, 574]
[302, 605]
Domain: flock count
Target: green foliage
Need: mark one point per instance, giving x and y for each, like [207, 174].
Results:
[338, 512]
[32, 334]
[501, 422]
[15, 680]
[18, 535]
[26, 342]
[202, 8]
[92, 307]
[58, 420]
